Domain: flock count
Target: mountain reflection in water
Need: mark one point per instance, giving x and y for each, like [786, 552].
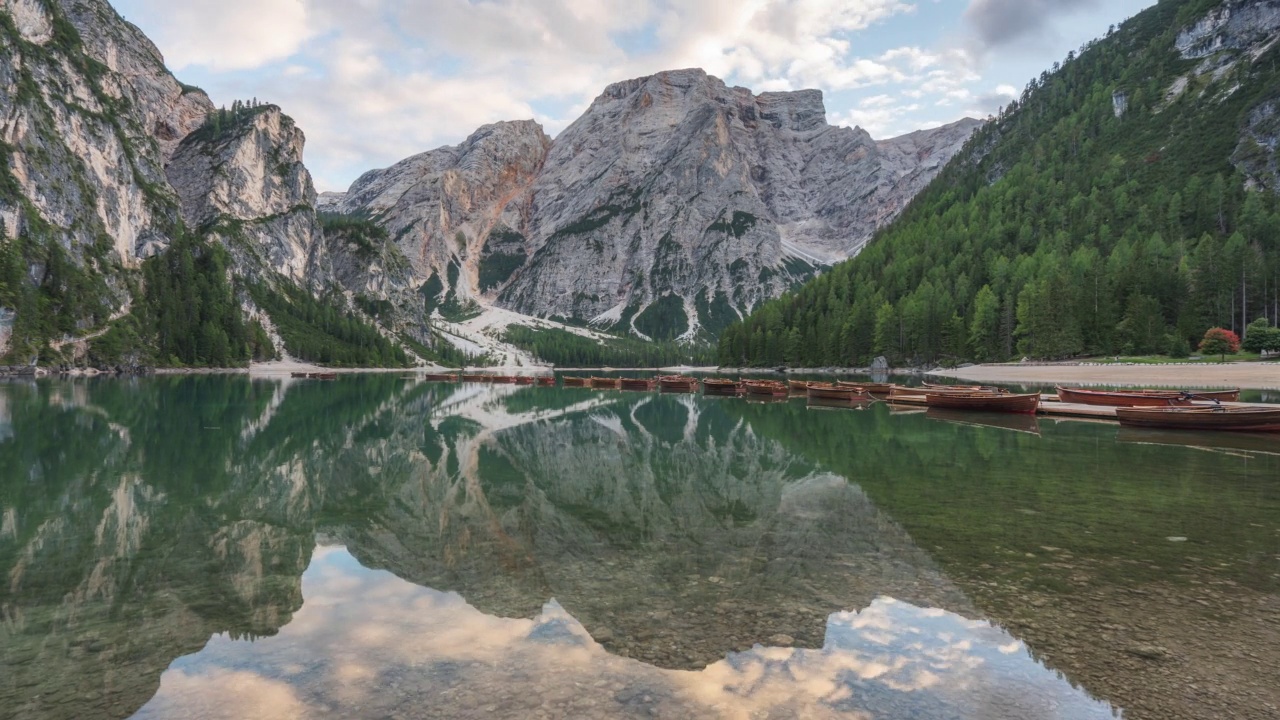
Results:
[702, 553]
[368, 644]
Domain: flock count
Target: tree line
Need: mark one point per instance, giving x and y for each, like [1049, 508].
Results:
[1064, 227]
[567, 349]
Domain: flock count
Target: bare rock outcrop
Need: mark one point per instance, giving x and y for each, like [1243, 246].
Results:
[671, 206]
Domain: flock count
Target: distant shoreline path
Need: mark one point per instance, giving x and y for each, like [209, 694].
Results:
[1252, 375]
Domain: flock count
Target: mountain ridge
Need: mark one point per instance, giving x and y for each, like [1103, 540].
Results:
[1122, 204]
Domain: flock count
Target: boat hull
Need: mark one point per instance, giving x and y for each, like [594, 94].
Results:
[641, 384]
[766, 389]
[577, 382]
[1235, 419]
[678, 384]
[721, 387]
[604, 383]
[873, 388]
[1121, 398]
[985, 402]
[833, 392]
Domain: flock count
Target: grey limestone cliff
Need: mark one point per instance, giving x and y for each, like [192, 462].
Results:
[248, 184]
[672, 205]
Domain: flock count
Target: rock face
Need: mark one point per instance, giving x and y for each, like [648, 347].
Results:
[1236, 34]
[454, 210]
[105, 157]
[251, 175]
[90, 118]
[672, 205]
[1234, 25]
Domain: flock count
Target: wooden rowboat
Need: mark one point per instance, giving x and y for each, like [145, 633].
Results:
[827, 391]
[721, 386]
[638, 383]
[577, 382]
[299, 375]
[477, 378]
[548, 381]
[1218, 395]
[1122, 398]
[323, 376]
[678, 383]
[440, 378]
[799, 386]
[873, 387]
[604, 383]
[989, 402]
[766, 388]
[1240, 419]
[931, 387]
[505, 380]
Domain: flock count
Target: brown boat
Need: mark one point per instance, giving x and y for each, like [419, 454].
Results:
[721, 386]
[678, 383]
[505, 380]
[323, 376]
[440, 378]
[604, 383]
[547, 381]
[828, 391]
[989, 402]
[1239, 419]
[477, 378]
[1122, 398]
[577, 381]
[871, 387]
[766, 388]
[648, 383]
[299, 375]
[799, 386]
[931, 387]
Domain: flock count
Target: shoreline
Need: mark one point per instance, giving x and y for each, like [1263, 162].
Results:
[1263, 375]
[1245, 375]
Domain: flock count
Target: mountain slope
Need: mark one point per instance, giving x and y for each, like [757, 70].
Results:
[135, 218]
[671, 206]
[1125, 203]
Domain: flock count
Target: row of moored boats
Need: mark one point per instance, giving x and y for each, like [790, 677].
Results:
[1199, 410]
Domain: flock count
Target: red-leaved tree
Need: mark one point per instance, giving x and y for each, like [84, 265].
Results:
[1220, 341]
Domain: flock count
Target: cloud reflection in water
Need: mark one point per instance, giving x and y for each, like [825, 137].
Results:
[368, 644]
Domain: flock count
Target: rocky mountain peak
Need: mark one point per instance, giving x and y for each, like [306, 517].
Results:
[671, 205]
[798, 111]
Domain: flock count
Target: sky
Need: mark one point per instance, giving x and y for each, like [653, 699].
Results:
[372, 82]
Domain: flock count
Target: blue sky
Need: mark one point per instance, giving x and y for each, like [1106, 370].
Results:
[374, 81]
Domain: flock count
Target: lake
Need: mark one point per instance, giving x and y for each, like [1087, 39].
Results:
[215, 546]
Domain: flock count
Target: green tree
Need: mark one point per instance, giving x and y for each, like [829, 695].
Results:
[984, 329]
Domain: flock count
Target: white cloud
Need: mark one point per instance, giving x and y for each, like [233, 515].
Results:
[373, 81]
[229, 34]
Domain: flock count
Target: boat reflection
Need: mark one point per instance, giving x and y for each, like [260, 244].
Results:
[1256, 443]
[1002, 421]
[833, 404]
[368, 644]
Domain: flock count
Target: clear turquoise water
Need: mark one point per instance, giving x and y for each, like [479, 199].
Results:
[374, 547]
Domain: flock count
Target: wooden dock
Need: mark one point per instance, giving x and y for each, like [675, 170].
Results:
[1051, 406]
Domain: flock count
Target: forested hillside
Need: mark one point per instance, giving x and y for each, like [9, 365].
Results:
[1125, 203]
